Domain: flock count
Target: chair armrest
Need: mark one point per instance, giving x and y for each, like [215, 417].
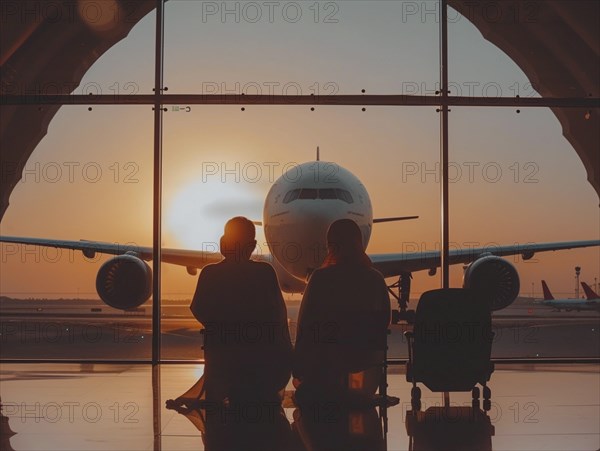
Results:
[409, 334]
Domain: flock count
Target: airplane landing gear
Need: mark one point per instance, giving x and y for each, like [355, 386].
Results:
[402, 313]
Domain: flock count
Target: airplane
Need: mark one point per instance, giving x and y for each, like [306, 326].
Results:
[570, 304]
[590, 294]
[298, 209]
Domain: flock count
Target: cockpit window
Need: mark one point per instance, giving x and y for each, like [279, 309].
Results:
[308, 193]
[327, 193]
[291, 195]
[323, 193]
[344, 195]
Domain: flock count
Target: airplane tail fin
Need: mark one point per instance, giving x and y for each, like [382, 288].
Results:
[589, 293]
[547, 295]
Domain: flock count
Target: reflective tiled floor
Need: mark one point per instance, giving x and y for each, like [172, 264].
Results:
[98, 407]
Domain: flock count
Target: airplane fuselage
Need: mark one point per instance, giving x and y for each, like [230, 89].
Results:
[300, 207]
[572, 304]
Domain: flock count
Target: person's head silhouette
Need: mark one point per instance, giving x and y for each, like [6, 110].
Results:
[238, 242]
[344, 244]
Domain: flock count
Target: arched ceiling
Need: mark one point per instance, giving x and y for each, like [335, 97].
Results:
[556, 43]
[47, 47]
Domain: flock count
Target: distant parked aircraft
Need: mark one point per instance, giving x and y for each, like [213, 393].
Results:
[571, 304]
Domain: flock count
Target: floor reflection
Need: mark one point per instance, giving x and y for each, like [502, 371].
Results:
[318, 424]
[247, 426]
[329, 426]
[456, 428]
[5, 431]
[69, 407]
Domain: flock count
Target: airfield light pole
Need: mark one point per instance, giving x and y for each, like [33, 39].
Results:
[577, 272]
[444, 254]
[532, 290]
[157, 179]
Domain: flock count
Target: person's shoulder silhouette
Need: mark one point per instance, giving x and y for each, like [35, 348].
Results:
[344, 314]
[346, 283]
[247, 345]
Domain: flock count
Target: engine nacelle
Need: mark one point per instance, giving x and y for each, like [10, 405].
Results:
[494, 279]
[124, 282]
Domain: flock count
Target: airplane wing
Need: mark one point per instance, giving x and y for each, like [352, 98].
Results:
[394, 264]
[388, 264]
[192, 259]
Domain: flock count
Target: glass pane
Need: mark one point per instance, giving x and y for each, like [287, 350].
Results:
[90, 178]
[291, 195]
[221, 162]
[515, 180]
[305, 48]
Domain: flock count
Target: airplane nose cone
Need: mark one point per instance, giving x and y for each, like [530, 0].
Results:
[306, 239]
[318, 220]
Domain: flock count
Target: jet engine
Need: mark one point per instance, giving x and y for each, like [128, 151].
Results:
[124, 282]
[494, 279]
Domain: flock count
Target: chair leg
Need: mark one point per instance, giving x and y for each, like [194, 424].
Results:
[487, 395]
[475, 398]
[487, 405]
[415, 397]
[384, 384]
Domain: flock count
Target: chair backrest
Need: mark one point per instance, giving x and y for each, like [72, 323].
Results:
[452, 337]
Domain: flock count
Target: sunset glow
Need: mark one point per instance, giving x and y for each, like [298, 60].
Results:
[515, 177]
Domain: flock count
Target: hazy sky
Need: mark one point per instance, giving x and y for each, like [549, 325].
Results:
[516, 179]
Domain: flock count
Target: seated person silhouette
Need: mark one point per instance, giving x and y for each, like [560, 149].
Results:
[342, 323]
[247, 347]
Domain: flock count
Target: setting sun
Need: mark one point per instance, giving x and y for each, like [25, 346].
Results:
[198, 211]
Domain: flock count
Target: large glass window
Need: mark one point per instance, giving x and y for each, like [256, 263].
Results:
[298, 48]
[90, 178]
[514, 177]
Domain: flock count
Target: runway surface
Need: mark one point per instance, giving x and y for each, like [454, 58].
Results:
[87, 329]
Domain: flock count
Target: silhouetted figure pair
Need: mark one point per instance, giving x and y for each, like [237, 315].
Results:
[342, 323]
[339, 351]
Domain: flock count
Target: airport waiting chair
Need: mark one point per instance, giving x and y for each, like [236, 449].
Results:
[243, 369]
[374, 342]
[450, 346]
[353, 357]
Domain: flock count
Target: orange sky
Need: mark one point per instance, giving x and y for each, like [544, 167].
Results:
[526, 183]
